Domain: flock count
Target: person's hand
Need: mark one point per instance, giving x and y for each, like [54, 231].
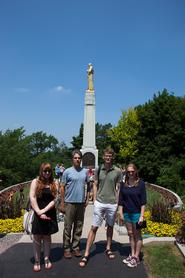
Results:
[86, 202]
[41, 211]
[44, 217]
[120, 217]
[141, 218]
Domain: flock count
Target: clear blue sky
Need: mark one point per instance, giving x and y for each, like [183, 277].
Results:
[137, 48]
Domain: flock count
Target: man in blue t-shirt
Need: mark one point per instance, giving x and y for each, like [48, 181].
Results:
[73, 202]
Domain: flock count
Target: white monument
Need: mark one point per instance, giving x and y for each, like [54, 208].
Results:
[89, 150]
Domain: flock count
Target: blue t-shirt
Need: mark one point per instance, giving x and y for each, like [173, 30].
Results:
[75, 181]
[132, 198]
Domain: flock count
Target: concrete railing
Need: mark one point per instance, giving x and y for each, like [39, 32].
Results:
[173, 199]
[8, 192]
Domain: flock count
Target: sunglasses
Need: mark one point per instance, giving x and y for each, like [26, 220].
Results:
[47, 171]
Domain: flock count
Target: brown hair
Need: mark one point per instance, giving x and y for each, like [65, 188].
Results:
[42, 181]
[136, 174]
[77, 152]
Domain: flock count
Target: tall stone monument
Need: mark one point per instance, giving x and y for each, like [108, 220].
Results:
[89, 150]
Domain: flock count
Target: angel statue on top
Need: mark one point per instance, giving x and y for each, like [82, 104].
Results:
[90, 72]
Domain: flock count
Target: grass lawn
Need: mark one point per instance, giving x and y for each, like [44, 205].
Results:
[163, 260]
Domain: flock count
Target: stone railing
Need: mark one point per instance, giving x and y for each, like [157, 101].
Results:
[8, 192]
[172, 198]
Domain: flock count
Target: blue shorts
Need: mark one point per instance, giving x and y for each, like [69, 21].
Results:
[131, 217]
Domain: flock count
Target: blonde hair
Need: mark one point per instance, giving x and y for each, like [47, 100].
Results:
[137, 179]
[110, 151]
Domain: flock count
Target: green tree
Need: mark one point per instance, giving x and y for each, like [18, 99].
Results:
[172, 175]
[161, 137]
[102, 138]
[21, 155]
[78, 140]
[14, 157]
[124, 135]
[40, 142]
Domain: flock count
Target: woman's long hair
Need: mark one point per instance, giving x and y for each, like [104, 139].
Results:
[42, 181]
[137, 179]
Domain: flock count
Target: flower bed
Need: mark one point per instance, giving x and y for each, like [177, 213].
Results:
[160, 229]
[11, 225]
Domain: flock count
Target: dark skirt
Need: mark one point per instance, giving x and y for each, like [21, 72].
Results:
[45, 227]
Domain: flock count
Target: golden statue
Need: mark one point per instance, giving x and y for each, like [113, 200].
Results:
[90, 72]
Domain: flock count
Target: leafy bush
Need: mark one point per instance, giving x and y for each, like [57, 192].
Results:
[172, 175]
[180, 236]
[160, 212]
[11, 204]
[153, 196]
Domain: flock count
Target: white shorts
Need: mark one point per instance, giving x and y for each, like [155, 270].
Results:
[104, 211]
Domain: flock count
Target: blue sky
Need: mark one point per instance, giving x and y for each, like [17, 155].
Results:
[137, 48]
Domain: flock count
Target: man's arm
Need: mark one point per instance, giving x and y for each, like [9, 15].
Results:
[62, 197]
[95, 189]
[119, 177]
[87, 194]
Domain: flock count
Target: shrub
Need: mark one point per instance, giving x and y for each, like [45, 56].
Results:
[160, 212]
[10, 209]
[11, 203]
[180, 236]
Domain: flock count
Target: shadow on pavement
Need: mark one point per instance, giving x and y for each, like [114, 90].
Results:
[17, 262]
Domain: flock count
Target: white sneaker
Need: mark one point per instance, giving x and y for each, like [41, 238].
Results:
[133, 262]
[127, 260]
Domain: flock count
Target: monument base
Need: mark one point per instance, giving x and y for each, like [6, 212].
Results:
[89, 157]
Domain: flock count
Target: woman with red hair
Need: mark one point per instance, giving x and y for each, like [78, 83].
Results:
[43, 195]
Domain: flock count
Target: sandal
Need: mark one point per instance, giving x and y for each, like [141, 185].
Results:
[36, 266]
[48, 264]
[84, 260]
[109, 254]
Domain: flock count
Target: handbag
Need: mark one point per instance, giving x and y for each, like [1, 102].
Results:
[28, 221]
[141, 225]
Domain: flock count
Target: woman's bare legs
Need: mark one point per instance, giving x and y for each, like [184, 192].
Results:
[129, 227]
[135, 239]
[138, 242]
[37, 251]
[47, 248]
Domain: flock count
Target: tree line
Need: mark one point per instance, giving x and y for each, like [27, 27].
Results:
[151, 135]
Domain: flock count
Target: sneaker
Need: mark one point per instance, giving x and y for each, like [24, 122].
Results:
[127, 260]
[133, 262]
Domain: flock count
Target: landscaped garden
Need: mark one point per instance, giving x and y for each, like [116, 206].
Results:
[12, 205]
[162, 219]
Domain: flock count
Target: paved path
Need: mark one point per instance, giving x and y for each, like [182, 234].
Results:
[16, 262]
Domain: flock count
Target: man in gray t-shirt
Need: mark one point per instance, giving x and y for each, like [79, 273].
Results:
[73, 203]
[106, 192]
